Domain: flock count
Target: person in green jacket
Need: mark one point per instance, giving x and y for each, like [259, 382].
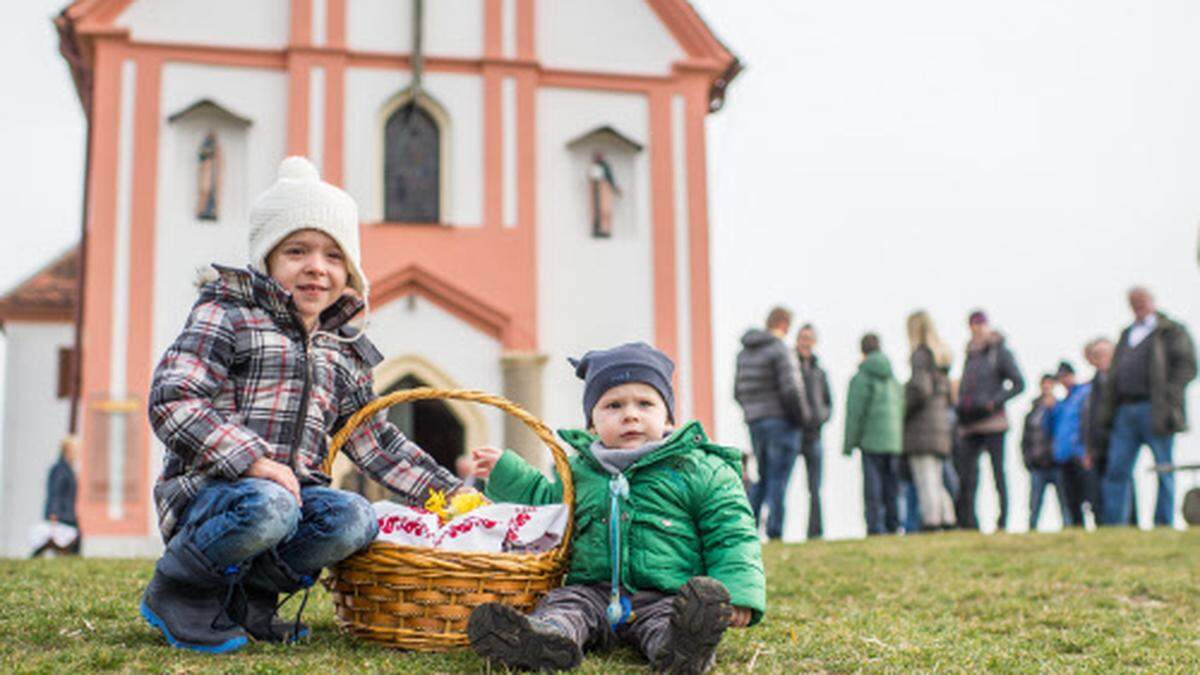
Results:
[665, 555]
[875, 425]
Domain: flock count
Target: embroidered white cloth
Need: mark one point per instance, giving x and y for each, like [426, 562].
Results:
[494, 528]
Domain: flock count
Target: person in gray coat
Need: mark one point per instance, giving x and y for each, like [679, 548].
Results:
[927, 421]
[769, 388]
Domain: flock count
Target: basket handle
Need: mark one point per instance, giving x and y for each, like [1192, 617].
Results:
[561, 465]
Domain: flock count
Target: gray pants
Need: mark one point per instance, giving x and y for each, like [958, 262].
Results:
[937, 508]
[580, 611]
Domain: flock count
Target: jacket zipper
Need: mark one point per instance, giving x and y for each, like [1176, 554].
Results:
[302, 413]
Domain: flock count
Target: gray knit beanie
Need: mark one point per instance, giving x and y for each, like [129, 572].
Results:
[604, 369]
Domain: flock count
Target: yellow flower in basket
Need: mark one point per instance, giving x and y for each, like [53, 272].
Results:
[459, 504]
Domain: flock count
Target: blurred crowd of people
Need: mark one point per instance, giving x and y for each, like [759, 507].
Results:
[920, 442]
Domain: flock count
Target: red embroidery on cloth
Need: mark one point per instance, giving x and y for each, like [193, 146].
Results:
[518, 522]
[390, 524]
[463, 526]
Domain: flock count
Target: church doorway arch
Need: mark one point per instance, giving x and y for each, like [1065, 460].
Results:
[430, 424]
[444, 429]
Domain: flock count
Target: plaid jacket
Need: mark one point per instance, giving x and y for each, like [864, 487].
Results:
[230, 390]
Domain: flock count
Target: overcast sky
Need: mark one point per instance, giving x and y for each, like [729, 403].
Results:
[1033, 157]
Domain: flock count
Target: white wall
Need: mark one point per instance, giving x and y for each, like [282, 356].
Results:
[618, 36]
[36, 420]
[593, 293]
[261, 24]
[368, 91]
[182, 243]
[451, 27]
[469, 357]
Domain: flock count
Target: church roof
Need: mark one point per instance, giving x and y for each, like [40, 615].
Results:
[82, 20]
[48, 295]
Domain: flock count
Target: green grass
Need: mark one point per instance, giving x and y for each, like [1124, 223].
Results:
[1101, 601]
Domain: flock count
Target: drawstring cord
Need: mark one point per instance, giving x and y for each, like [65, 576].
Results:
[619, 609]
[232, 586]
[307, 582]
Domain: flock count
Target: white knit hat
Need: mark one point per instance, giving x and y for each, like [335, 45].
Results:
[300, 200]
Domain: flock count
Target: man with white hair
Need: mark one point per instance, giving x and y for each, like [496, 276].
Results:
[1143, 404]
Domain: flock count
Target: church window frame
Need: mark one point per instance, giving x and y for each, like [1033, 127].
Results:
[441, 120]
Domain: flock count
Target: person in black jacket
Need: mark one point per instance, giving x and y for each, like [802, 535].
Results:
[770, 390]
[61, 487]
[1038, 452]
[820, 406]
[990, 378]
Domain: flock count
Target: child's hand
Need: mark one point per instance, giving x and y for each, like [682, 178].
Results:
[485, 459]
[271, 470]
[740, 617]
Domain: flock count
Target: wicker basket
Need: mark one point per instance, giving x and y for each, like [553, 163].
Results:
[419, 598]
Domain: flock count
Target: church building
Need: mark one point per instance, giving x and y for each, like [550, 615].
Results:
[531, 180]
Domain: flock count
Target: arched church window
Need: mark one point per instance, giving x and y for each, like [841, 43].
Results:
[412, 166]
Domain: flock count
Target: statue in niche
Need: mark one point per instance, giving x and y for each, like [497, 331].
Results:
[604, 193]
[209, 177]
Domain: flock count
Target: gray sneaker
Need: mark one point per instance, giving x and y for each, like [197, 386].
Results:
[700, 615]
[503, 634]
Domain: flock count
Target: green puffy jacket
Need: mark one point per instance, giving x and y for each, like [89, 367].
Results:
[874, 408]
[686, 515]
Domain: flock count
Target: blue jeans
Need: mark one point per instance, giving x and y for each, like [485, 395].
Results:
[910, 506]
[1132, 429]
[234, 522]
[881, 483]
[1039, 480]
[813, 453]
[776, 444]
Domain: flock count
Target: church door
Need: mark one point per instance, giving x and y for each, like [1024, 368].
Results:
[429, 424]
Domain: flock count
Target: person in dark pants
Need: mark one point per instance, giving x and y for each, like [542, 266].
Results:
[61, 487]
[1037, 449]
[990, 378]
[820, 406]
[770, 390]
[874, 425]
[1063, 424]
[1143, 404]
[1099, 353]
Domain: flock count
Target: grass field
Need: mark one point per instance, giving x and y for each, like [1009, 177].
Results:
[1101, 601]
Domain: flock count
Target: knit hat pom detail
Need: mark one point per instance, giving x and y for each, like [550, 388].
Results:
[298, 168]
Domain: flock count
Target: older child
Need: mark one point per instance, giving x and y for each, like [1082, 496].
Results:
[666, 554]
[265, 369]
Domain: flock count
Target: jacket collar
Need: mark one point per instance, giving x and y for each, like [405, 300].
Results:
[690, 435]
[250, 287]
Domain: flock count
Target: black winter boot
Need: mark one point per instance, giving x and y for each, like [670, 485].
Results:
[257, 609]
[502, 633]
[701, 613]
[187, 601]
